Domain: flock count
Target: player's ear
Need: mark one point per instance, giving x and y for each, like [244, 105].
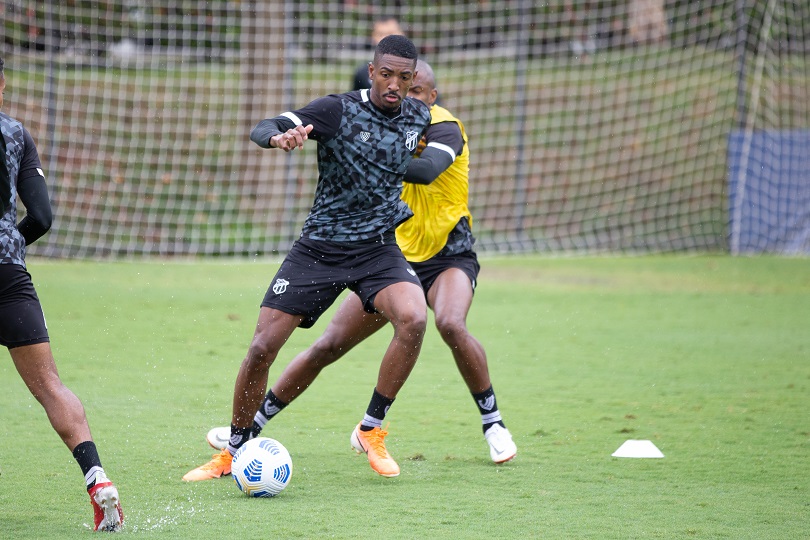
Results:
[371, 70]
[434, 94]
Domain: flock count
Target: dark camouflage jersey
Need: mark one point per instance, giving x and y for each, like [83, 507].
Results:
[363, 154]
[20, 158]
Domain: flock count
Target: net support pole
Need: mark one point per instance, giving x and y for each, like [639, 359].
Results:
[742, 73]
[521, 69]
[263, 58]
[288, 92]
[748, 126]
[50, 89]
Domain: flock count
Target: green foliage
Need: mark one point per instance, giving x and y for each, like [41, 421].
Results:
[705, 356]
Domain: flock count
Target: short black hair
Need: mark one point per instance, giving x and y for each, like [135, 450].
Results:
[396, 46]
[1, 65]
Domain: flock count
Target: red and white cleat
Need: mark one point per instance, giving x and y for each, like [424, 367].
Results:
[107, 513]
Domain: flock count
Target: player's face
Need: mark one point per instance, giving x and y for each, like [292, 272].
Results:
[390, 81]
[423, 90]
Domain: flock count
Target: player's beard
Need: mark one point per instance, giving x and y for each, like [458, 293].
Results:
[392, 105]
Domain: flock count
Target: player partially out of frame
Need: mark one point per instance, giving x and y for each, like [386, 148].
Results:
[22, 322]
[366, 139]
[438, 242]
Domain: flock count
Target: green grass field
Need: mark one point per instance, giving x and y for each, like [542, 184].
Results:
[706, 356]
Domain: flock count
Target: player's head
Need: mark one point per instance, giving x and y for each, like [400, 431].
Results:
[392, 71]
[424, 84]
[385, 26]
[395, 45]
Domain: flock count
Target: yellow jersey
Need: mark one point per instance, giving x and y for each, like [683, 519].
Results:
[437, 206]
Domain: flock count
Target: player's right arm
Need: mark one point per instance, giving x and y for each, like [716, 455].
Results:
[288, 131]
[280, 132]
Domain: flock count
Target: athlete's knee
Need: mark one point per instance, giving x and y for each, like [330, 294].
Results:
[47, 386]
[412, 322]
[262, 350]
[56, 398]
[452, 329]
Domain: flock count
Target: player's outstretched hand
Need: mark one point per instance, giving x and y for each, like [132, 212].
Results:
[292, 138]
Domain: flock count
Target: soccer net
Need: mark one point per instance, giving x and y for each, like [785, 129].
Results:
[594, 126]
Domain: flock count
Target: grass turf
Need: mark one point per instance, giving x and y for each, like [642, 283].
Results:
[707, 356]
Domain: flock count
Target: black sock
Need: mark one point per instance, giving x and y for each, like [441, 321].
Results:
[270, 407]
[86, 455]
[239, 436]
[488, 407]
[375, 414]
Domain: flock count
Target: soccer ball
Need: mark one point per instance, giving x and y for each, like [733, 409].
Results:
[262, 467]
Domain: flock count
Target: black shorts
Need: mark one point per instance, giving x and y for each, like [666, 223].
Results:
[430, 269]
[21, 319]
[314, 273]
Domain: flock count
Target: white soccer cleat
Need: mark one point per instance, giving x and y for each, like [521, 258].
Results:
[501, 446]
[218, 437]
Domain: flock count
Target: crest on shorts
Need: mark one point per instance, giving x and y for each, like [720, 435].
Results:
[280, 286]
[411, 138]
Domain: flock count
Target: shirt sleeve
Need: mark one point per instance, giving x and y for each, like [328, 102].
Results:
[30, 165]
[445, 136]
[324, 114]
[33, 193]
[444, 144]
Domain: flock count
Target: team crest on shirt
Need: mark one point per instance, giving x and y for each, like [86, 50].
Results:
[280, 286]
[411, 138]
[364, 136]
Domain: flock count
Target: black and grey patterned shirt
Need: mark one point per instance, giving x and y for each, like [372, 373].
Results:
[21, 162]
[363, 154]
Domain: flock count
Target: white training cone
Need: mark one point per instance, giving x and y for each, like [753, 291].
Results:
[638, 449]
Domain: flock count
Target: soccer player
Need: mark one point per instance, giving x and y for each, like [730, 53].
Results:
[22, 322]
[438, 242]
[366, 139]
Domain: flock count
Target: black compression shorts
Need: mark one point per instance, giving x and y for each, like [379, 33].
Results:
[430, 269]
[21, 319]
[316, 272]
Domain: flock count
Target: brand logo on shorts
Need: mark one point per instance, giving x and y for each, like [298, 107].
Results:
[280, 286]
[411, 138]
[411, 272]
[364, 136]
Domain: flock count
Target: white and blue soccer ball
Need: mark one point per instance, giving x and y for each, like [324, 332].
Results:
[262, 467]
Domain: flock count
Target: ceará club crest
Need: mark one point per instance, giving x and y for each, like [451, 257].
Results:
[411, 138]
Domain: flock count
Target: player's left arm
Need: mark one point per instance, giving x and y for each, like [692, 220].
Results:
[444, 144]
[33, 193]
